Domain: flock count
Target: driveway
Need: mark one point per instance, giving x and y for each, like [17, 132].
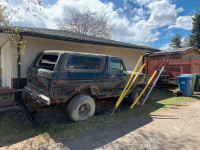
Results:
[176, 128]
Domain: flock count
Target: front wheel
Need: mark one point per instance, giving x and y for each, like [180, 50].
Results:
[136, 92]
[81, 107]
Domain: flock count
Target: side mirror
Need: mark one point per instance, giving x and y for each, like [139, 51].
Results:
[125, 72]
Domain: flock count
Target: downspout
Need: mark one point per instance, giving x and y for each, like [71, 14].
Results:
[19, 62]
[147, 61]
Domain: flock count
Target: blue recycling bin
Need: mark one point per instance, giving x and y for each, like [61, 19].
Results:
[185, 85]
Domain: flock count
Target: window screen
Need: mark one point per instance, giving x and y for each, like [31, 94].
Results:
[84, 62]
[116, 66]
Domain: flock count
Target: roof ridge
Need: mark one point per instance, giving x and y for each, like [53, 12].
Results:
[74, 37]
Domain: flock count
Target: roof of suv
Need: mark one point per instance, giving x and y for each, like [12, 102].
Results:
[76, 53]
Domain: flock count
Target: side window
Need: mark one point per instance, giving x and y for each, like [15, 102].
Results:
[84, 62]
[116, 66]
[46, 61]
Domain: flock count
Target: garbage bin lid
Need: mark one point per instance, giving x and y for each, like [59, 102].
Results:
[184, 77]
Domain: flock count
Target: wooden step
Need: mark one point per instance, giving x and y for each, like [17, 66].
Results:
[173, 78]
[164, 75]
[9, 108]
[7, 104]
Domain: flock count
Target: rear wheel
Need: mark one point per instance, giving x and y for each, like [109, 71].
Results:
[136, 92]
[179, 93]
[81, 107]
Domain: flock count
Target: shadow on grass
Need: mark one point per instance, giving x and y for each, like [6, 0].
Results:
[197, 96]
[54, 121]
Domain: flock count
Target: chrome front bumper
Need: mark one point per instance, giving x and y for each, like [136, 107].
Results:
[39, 97]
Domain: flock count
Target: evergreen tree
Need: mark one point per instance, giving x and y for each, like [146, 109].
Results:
[195, 37]
[186, 42]
[176, 41]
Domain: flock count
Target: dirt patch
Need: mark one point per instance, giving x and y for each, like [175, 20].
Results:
[58, 113]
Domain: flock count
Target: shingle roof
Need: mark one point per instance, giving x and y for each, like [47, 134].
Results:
[174, 51]
[73, 37]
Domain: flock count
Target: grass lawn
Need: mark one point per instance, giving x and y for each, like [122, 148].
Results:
[13, 131]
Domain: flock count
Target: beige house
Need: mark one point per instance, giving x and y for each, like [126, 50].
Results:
[13, 73]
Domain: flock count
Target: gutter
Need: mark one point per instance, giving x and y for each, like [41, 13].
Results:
[61, 38]
[147, 61]
[146, 56]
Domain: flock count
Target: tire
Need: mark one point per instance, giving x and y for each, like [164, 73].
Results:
[179, 93]
[136, 92]
[81, 107]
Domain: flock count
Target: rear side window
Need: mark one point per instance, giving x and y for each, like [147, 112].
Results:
[84, 62]
[46, 62]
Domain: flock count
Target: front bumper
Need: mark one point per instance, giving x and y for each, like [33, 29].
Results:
[39, 97]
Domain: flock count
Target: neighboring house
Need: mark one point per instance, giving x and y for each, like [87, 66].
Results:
[39, 39]
[178, 61]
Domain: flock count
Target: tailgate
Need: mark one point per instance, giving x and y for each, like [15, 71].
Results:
[39, 80]
[39, 75]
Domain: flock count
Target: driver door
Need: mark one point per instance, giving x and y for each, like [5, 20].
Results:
[116, 77]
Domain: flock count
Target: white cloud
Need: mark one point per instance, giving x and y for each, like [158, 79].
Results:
[120, 10]
[163, 13]
[165, 47]
[143, 2]
[135, 32]
[48, 16]
[151, 15]
[183, 22]
[140, 14]
[126, 5]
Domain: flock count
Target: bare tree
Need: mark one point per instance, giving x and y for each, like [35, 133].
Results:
[87, 22]
[4, 16]
[7, 11]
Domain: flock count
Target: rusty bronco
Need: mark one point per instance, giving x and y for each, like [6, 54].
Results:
[78, 78]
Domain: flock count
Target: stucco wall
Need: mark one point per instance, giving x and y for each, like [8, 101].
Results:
[6, 64]
[36, 45]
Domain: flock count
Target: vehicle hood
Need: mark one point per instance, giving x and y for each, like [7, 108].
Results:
[130, 72]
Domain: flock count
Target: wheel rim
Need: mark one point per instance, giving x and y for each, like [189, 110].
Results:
[141, 98]
[83, 110]
[137, 94]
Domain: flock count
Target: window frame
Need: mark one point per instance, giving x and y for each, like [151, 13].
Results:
[122, 63]
[84, 70]
[38, 59]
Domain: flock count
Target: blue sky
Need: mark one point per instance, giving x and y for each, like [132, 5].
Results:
[148, 22]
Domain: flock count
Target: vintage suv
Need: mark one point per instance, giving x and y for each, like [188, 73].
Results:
[79, 79]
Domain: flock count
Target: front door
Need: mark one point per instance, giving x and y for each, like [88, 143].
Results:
[116, 77]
